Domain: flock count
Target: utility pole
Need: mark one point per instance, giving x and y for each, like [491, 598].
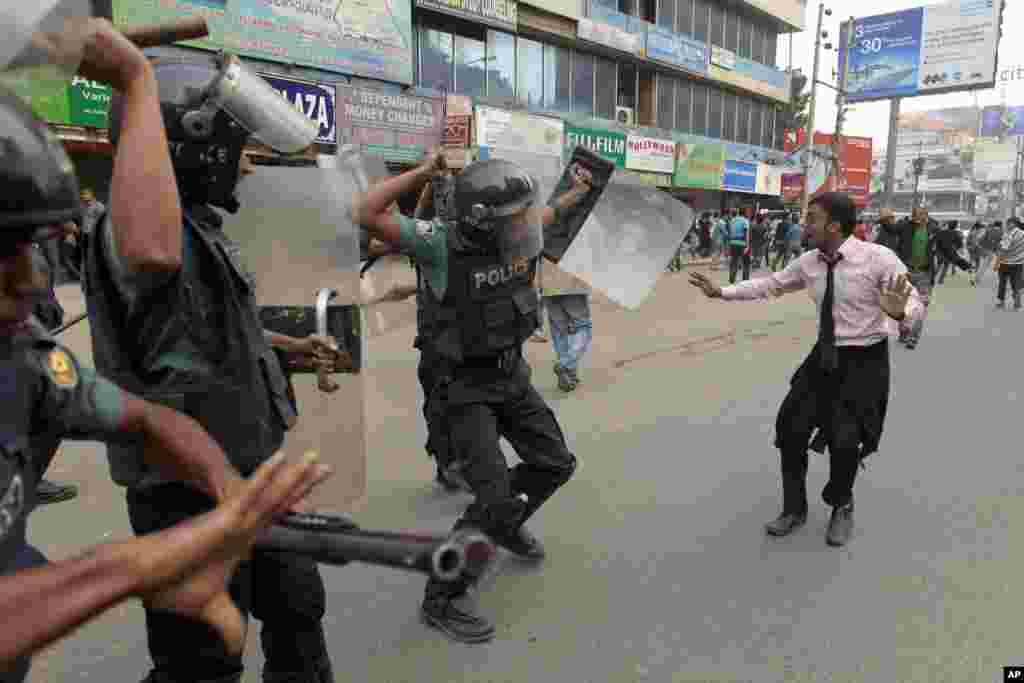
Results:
[918, 172]
[809, 132]
[837, 138]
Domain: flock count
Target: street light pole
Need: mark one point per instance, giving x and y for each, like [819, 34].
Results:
[809, 132]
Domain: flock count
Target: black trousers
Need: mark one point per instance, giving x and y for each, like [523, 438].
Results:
[479, 406]
[1009, 275]
[848, 406]
[285, 592]
[738, 257]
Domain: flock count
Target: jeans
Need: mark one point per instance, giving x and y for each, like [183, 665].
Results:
[1011, 275]
[571, 335]
[738, 256]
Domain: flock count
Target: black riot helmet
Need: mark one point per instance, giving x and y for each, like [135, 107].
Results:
[211, 105]
[495, 201]
[38, 180]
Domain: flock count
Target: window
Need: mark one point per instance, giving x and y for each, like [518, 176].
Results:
[732, 30]
[684, 17]
[666, 102]
[757, 123]
[627, 6]
[583, 83]
[700, 20]
[646, 103]
[743, 120]
[684, 105]
[605, 75]
[729, 117]
[470, 66]
[757, 43]
[667, 14]
[436, 59]
[530, 80]
[501, 64]
[627, 86]
[716, 24]
[699, 121]
[558, 77]
[746, 38]
[714, 112]
[771, 47]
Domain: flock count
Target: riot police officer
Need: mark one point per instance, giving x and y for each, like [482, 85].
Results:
[174, 318]
[48, 395]
[479, 307]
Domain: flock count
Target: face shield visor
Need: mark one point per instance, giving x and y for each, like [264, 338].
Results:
[514, 231]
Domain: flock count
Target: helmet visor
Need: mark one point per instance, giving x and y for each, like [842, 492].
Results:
[518, 237]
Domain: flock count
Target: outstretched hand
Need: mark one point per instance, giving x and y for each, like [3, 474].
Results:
[201, 593]
[894, 294]
[704, 284]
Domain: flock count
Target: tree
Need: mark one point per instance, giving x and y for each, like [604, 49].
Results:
[794, 115]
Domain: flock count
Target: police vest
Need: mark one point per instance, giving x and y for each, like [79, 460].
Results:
[489, 307]
[194, 344]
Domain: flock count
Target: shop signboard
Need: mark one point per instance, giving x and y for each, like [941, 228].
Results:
[497, 129]
[497, 13]
[699, 165]
[80, 103]
[314, 100]
[740, 176]
[749, 75]
[609, 144]
[769, 180]
[358, 37]
[677, 50]
[400, 127]
[650, 154]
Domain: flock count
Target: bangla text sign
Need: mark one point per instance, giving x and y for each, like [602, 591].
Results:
[921, 51]
[369, 39]
[500, 129]
[496, 13]
[401, 127]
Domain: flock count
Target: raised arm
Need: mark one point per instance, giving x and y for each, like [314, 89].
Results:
[373, 209]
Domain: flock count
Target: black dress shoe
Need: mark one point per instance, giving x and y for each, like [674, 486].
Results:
[48, 492]
[840, 527]
[520, 542]
[786, 523]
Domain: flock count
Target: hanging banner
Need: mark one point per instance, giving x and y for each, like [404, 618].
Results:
[699, 165]
[926, 50]
[313, 100]
[499, 129]
[609, 144]
[362, 38]
[740, 176]
[497, 13]
[650, 154]
[402, 128]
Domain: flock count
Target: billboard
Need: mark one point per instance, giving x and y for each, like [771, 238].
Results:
[498, 129]
[921, 51]
[999, 122]
[855, 163]
[400, 127]
[79, 103]
[360, 37]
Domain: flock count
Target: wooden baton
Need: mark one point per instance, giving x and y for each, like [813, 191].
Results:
[168, 32]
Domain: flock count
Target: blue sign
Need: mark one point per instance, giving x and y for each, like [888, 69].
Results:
[677, 50]
[761, 72]
[315, 100]
[882, 54]
[740, 176]
[998, 122]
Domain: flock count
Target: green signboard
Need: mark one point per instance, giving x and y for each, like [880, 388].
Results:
[699, 165]
[80, 103]
[609, 144]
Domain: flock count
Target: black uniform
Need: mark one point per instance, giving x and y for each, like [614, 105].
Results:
[47, 396]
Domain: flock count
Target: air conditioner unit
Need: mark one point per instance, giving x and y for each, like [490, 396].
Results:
[624, 115]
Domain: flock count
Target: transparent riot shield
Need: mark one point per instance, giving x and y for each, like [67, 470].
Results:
[628, 240]
[298, 241]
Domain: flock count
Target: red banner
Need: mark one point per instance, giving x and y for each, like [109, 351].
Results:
[854, 161]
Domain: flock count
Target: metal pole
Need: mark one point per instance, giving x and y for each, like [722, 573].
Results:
[837, 138]
[890, 153]
[809, 132]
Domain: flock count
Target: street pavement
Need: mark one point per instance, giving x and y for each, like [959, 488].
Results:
[658, 568]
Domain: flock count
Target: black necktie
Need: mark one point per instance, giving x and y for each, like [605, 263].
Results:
[827, 328]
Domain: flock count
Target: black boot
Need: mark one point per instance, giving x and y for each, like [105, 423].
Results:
[439, 610]
[794, 506]
[840, 526]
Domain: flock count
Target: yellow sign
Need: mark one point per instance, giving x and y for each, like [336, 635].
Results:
[62, 369]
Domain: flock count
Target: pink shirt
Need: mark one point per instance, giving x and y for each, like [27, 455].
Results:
[860, 320]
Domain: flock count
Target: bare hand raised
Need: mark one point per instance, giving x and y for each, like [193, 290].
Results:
[894, 294]
[701, 282]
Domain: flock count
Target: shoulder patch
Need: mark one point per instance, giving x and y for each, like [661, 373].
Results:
[62, 368]
[425, 229]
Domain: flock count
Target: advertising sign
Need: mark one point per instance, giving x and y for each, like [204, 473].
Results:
[80, 103]
[497, 13]
[314, 100]
[358, 37]
[723, 58]
[678, 50]
[650, 154]
[994, 161]
[500, 129]
[740, 176]
[855, 161]
[998, 122]
[750, 75]
[400, 127]
[699, 165]
[609, 36]
[921, 51]
[609, 144]
[769, 180]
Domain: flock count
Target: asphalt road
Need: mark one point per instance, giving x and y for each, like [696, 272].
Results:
[658, 567]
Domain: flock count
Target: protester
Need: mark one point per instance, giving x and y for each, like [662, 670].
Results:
[1010, 263]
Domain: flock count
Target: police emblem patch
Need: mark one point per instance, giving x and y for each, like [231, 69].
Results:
[62, 369]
